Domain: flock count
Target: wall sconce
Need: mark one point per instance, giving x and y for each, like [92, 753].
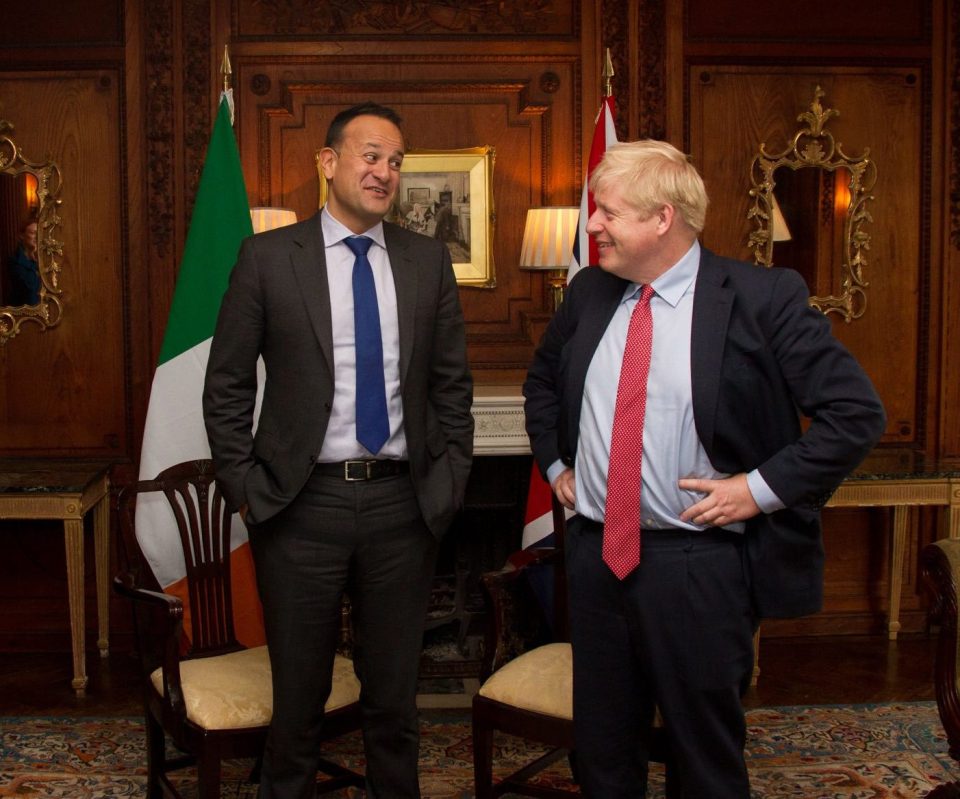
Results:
[778, 225]
[548, 245]
[270, 218]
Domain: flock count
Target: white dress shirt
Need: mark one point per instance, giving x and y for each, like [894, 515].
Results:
[340, 442]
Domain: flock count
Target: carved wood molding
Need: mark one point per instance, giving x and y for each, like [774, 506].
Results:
[644, 78]
[651, 71]
[169, 63]
[286, 19]
[614, 20]
[953, 58]
[197, 88]
[158, 64]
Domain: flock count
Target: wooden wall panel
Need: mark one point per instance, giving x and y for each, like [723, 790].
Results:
[91, 22]
[747, 73]
[735, 109]
[868, 21]
[63, 390]
[526, 108]
[949, 211]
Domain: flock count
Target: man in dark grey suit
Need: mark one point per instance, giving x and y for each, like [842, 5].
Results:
[728, 487]
[327, 514]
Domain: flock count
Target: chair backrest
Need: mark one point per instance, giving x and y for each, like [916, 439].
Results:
[940, 567]
[527, 601]
[203, 525]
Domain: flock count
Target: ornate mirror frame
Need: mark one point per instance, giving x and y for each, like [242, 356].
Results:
[813, 146]
[48, 310]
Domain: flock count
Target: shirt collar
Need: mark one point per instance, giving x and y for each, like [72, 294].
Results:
[335, 231]
[673, 283]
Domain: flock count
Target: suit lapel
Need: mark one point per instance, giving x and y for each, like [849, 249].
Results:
[310, 267]
[404, 268]
[712, 304]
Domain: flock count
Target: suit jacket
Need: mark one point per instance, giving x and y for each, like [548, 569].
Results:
[759, 354]
[278, 305]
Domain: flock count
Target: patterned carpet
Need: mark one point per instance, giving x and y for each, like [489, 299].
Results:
[894, 751]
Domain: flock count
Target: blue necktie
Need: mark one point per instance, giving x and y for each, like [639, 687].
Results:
[373, 423]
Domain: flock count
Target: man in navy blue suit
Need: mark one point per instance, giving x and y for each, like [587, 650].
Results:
[731, 487]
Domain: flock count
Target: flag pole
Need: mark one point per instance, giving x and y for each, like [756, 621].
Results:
[226, 70]
[607, 74]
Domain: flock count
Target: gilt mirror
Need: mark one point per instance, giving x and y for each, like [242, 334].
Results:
[810, 212]
[30, 253]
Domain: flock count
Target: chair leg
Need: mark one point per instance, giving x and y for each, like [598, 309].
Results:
[156, 746]
[208, 772]
[950, 790]
[482, 759]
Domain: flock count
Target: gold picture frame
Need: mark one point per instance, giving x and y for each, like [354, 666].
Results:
[448, 194]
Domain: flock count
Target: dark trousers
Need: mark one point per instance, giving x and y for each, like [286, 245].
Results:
[677, 635]
[366, 538]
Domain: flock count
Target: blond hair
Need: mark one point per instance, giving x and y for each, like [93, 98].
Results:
[651, 174]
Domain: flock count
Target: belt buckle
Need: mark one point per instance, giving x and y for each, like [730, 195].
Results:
[347, 472]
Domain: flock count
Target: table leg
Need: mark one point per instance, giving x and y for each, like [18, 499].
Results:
[897, 551]
[73, 536]
[101, 543]
[953, 512]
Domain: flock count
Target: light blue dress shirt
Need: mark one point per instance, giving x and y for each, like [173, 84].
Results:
[340, 442]
[671, 446]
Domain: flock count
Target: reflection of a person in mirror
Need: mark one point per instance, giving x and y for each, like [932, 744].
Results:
[24, 269]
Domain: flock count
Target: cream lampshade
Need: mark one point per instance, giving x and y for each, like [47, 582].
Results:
[548, 245]
[270, 218]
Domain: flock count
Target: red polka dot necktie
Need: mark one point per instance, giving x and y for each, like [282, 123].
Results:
[621, 528]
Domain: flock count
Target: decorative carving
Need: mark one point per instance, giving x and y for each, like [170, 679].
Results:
[614, 34]
[549, 82]
[814, 146]
[652, 71]
[47, 311]
[158, 49]
[260, 84]
[415, 17]
[197, 88]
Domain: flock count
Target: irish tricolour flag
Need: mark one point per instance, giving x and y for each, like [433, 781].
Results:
[174, 430]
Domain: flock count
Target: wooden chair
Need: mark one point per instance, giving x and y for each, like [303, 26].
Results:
[214, 701]
[527, 677]
[940, 567]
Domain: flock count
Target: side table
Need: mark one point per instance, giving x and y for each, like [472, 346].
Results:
[41, 488]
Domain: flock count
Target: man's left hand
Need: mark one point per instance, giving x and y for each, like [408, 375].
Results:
[726, 501]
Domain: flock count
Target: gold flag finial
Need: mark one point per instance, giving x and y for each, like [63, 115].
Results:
[225, 68]
[607, 74]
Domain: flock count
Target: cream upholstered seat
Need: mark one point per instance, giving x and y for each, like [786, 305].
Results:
[527, 677]
[213, 701]
[231, 691]
[540, 681]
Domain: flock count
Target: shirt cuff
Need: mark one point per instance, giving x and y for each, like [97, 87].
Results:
[555, 470]
[763, 495]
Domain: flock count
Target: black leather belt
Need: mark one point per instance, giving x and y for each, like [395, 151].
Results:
[352, 471]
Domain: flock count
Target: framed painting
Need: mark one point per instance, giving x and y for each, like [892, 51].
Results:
[448, 195]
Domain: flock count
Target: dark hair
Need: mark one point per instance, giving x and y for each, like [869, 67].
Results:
[341, 120]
